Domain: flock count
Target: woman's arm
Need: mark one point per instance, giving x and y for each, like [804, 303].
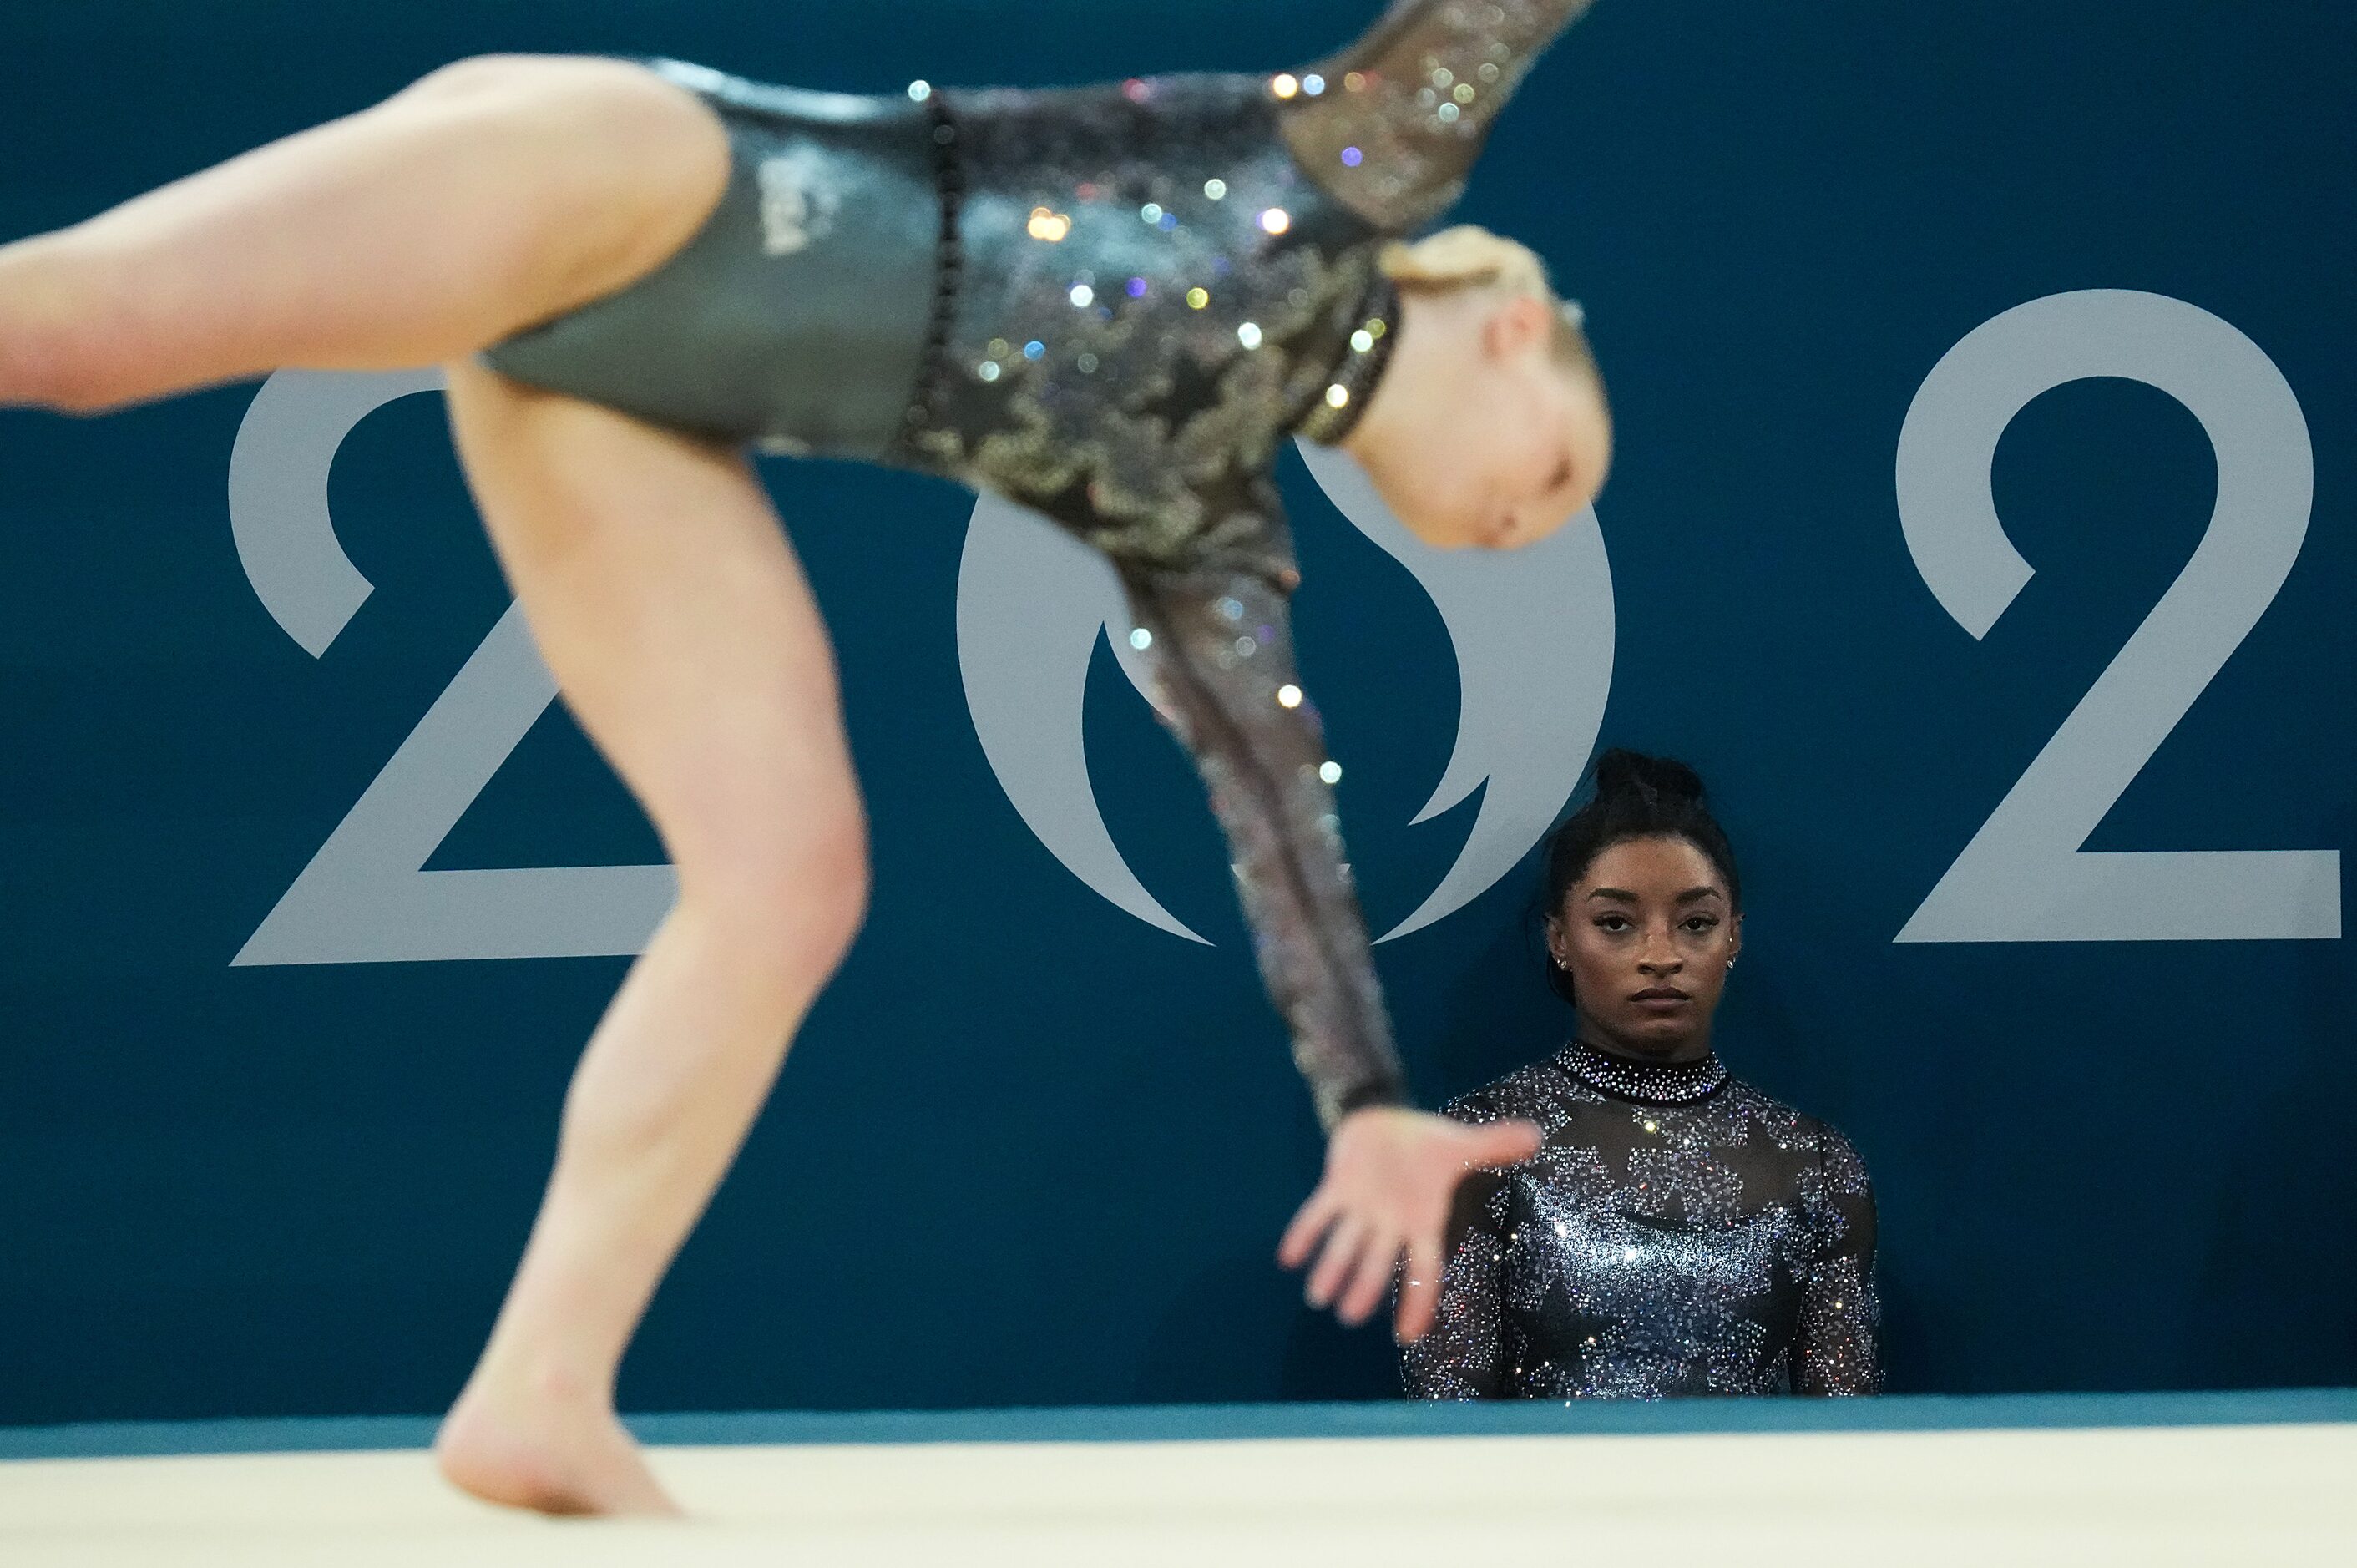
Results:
[1221, 653]
[1836, 1351]
[1463, 1356]
[1396, 120]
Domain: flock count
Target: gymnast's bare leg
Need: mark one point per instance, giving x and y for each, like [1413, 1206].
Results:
[494, 194]
[657, 582]
[664, 594]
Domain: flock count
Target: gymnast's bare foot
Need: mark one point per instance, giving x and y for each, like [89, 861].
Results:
[551, 1454]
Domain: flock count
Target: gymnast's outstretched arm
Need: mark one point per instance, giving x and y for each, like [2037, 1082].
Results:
[1392, 124]
[1224, 681]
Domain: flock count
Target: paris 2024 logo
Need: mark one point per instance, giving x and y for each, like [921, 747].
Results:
[1533, 635]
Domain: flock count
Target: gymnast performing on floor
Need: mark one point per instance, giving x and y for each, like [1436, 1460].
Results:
[1111, 303]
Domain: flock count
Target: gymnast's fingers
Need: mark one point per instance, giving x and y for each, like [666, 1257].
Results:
[1335, 1262]
[1378, 1261]
[1498, 1144]
[1309, 1224]
[1419, 1296]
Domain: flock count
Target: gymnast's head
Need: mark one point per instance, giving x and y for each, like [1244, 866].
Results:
[1489, 426]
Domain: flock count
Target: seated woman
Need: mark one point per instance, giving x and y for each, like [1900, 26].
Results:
[1678, 1232]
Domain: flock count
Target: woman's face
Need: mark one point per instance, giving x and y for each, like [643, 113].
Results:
[1507, 444]
[1647, 935]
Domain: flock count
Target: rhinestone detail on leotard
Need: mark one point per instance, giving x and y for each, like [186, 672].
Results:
[1724, 1245]
[1653, 1083]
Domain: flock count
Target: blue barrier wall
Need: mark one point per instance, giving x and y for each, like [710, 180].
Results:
[1033, 1149]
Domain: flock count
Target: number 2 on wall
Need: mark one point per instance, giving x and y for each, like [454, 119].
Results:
[2024, 876]
[366, 898]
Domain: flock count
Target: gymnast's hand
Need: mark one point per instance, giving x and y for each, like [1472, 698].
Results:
[1390, 1176]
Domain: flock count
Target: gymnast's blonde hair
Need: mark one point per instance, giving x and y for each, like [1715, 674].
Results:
[1469, 256]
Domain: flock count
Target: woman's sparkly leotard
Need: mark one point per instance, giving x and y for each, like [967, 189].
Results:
[1678, 1232]
[1110, 304]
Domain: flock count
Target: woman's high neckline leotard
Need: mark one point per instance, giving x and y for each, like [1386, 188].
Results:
[1678, 1232]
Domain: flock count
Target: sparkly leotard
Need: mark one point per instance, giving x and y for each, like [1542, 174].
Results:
[1110, 304]
[1678, 1232]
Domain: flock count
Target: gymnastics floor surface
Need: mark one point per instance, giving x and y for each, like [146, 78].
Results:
[2265, 1479]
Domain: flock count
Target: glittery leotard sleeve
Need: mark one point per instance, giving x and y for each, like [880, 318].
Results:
[1225, 681]
[1398, 117]
[1834, 1349]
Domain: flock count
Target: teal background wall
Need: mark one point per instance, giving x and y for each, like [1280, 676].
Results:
[1033, 1151]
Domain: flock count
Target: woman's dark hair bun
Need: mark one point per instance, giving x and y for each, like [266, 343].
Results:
[1620, 774]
